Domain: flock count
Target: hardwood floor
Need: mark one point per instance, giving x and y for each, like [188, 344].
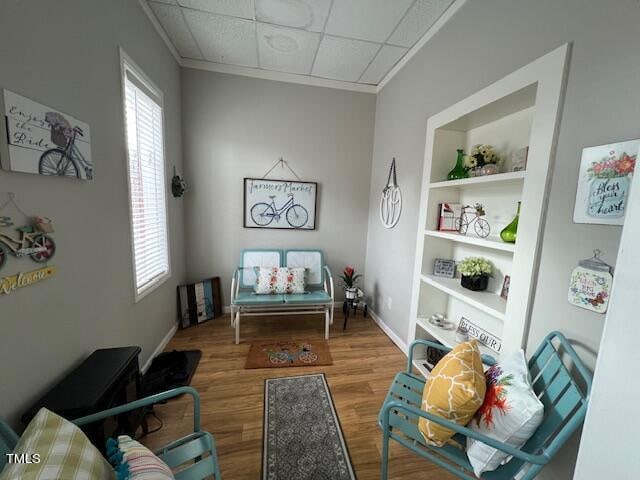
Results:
[364, 363]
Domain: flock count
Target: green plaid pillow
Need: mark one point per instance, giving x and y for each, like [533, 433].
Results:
[64, 450]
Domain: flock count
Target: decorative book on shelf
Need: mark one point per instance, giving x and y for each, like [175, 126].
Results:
[448, 213]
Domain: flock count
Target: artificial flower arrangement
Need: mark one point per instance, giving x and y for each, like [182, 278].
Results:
[475, 273]
[611, 167]
[483, 159]
[349, 280]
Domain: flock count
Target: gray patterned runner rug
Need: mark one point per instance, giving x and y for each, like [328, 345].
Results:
[302, 435]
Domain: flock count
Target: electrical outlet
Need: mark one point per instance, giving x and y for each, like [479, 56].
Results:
[389, 303]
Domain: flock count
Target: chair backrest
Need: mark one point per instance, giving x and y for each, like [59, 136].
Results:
[562, 383]
[8, 440]
[312, 260]
[249, 259]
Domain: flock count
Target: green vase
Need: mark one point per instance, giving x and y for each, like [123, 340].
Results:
[458, 171]
[510, 232]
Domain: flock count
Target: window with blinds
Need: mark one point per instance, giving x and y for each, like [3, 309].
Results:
[145, 149]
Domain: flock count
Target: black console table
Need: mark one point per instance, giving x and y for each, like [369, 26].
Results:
[108, 377]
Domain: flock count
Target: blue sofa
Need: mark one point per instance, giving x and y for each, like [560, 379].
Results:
[317, 299]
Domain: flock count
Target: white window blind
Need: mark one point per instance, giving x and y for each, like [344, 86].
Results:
[145, 141]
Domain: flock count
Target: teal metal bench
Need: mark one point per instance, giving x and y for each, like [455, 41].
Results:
[560, 380]
[192, 457]
[318, 299]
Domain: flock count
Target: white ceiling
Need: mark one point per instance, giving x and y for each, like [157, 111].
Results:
[347, 40]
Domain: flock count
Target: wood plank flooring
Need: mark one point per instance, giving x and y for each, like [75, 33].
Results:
[365, 361]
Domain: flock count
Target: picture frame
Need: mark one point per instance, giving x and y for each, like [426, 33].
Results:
[444, 268]
[279, 204]
[43, 140]
[504, 293]
[604, 182]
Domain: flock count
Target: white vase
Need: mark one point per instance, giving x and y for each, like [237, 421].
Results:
[350, 293]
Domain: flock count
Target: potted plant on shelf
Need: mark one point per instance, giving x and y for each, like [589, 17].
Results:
[482, 161]
[475, 273]
[349, 280]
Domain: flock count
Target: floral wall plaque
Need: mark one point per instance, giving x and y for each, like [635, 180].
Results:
[604, 183]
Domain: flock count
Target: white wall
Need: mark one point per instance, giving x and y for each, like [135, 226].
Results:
[484, 41]
[236, 127]
[65, 54]
[611, 418]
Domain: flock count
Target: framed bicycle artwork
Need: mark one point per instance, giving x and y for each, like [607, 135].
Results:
[283, 204]
[44, 141]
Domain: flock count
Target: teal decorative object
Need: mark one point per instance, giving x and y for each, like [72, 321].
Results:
[459, 171]
[510, 232]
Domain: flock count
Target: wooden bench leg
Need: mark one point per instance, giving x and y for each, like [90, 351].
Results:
[237, 327]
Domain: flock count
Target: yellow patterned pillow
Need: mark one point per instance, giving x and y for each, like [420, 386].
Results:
[454, 391]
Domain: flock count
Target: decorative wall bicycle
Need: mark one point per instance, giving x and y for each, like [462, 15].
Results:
[38, 246]
[473, 215]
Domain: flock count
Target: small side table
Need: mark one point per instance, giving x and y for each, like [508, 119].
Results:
[352, 304]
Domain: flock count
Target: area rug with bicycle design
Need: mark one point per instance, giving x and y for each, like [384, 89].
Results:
[302, 434]
[273, 354]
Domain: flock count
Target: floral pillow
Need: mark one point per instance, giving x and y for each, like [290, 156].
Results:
[510, 413]
[274, 280]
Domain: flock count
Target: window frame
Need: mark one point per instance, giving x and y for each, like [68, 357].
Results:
[128, 65]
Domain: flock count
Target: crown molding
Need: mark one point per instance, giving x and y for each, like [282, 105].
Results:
[444, 18]
[277, 76]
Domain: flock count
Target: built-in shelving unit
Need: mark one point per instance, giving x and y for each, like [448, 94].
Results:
[518, 111]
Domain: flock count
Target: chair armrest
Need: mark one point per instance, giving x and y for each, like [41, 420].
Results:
[144, 402]
[486, 359]
[235, 283]
[516, 452]
[329, 276]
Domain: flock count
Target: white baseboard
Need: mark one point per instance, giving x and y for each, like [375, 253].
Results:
[159, 348]
[390, 333]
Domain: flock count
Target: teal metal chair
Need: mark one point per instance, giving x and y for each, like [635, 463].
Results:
[192, 457]
[560, 380]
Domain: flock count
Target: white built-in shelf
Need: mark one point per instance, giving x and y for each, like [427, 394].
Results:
[488, 242]
[488, 302]
[506, 178]
[417, 364]
[447, 337]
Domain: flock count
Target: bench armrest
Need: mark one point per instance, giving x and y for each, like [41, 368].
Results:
[516, 452]
[145, 402]
[328, 277]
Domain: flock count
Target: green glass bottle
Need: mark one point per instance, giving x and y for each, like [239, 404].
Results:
[458, 171]
[510, 232]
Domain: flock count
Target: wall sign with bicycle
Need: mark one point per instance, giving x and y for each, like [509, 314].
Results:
[30, 241]
[44, 141]
[283, 204]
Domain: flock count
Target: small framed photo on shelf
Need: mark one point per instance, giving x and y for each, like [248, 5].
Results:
[448, 213]
[505, 287]
[519, 160]
[444, 268]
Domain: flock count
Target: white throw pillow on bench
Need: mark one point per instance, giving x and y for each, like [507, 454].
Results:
[275, 280]
[511, 413]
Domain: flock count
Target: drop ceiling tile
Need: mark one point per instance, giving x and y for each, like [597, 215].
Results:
[223, 39]
[234, 8]
[384, 61]
[420, 18]
[172, 21]
[285, 49]
[342, 58]
[366, 19]
[306, 14]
